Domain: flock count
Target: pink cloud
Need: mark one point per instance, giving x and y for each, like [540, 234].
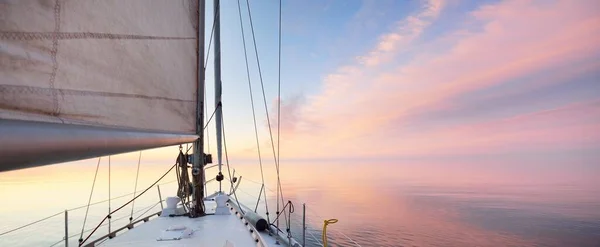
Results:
[364, 108]
[405, 31]
[573, 125]
[524, 40]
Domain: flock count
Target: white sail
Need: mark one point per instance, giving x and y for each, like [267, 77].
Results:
[130, 64]
[85, 78]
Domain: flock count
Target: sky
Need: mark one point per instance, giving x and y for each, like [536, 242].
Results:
[480, 93]
[455, 79]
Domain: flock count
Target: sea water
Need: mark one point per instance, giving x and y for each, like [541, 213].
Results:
[384, 203]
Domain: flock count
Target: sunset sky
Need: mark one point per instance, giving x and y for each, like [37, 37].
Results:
[413, 122]
[417, 79]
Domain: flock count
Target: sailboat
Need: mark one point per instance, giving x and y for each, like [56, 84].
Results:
[85, 79]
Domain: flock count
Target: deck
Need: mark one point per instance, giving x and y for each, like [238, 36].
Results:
[210, 230]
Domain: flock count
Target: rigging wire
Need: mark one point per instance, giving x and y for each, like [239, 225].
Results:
[315, 238]
[32, 223]
[62, 212]
[227, 163]
[103, 201]
[291, 208]
[212, 115]
[117, 219]
[89, 200]
[207, 122]
[253, 109]
[280, 192]
[215, 16]
[206, 125]
[146, 210]
[279, 118]
[135, 187]
[59, 241]
[279, 87]
[127, 203]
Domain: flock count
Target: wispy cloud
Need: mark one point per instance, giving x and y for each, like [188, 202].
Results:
[405, 31]
[367, 108]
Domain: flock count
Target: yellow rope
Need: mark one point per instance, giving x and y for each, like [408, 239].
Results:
[325, 223]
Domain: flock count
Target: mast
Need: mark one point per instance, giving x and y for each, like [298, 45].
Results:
[198, 160]
[219, 112]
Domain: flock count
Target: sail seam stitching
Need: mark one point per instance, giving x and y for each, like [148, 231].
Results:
[14, 89]
[57, 35]
[53, 55]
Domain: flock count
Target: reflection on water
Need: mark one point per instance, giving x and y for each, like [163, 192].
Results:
[384, 204]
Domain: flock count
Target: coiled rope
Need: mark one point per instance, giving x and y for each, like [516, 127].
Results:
[325, 223]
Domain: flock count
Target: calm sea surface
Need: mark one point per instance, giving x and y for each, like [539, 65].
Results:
[377, 204]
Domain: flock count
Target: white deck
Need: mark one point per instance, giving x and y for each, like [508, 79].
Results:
[210, 230]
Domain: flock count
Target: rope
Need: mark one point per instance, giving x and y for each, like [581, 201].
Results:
[292, 209]
[88, 230]
[184, 160]
[266, 111]
[183, 179]
[137, 174]
[32, 223]
[152, 185]
[325, 223]
[253, 111]
[90, 199]
[338, 231]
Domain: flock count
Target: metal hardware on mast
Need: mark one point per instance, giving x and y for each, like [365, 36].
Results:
[198, 160]
[219, 110]
[66, 228]
[303, 224]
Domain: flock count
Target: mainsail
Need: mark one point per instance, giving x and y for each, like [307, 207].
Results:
[82, 72]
